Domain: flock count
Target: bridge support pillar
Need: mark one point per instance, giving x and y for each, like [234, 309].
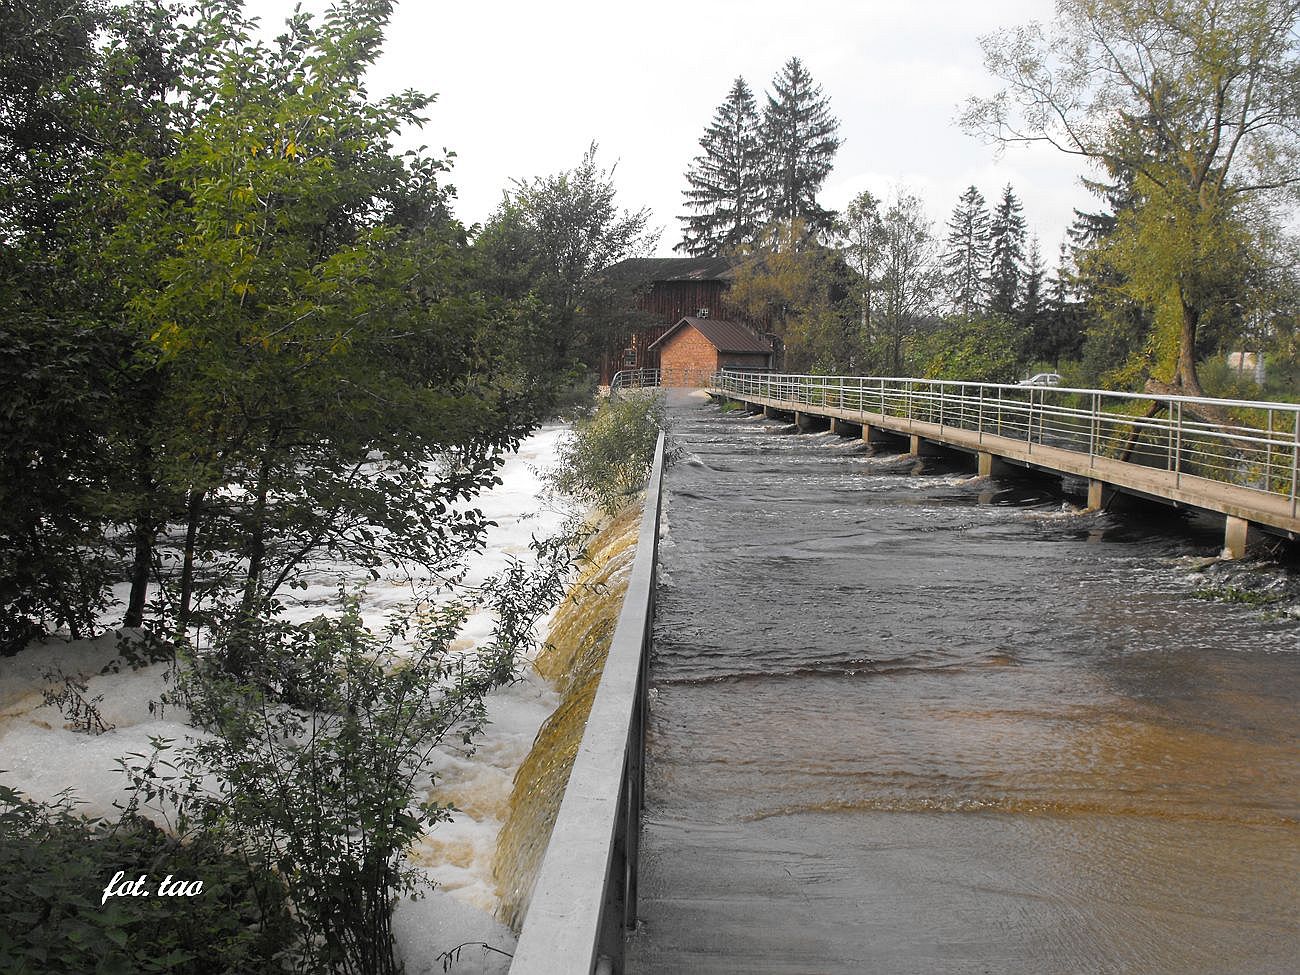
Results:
[991, 465]
[922, 448]
[768, 412]
[840, 426]
[1096, 494]
[871, 435]
[804, 421]
[1236, 536]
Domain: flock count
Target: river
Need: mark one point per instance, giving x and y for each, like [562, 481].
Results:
[914, 721]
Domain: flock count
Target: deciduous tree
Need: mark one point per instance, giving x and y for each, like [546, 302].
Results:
[1196, 98]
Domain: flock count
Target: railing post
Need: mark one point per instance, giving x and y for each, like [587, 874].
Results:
[1178, 446]
[1268, 453]
[1295, 462]
[1094, 439]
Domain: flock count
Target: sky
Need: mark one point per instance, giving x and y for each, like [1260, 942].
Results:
[523, 88]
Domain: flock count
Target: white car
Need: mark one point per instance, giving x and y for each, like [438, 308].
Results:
[1042, 379]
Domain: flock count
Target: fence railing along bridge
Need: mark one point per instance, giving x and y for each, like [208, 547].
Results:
[1239, 458]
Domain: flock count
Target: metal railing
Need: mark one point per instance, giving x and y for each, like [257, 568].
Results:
[1242, 442]
[647, 378]
[585, 896]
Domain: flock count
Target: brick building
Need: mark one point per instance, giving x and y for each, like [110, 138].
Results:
[664, 291]
[695, 348]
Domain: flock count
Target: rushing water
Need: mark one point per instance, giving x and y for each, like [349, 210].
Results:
[919, 722]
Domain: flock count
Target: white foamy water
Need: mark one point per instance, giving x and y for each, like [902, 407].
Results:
[41, 757]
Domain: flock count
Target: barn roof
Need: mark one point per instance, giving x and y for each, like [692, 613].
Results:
[725, 336]
[650, 269]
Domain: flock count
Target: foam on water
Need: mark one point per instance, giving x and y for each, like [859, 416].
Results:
[42, 757]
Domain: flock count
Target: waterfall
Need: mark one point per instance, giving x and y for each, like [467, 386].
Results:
[573, 661]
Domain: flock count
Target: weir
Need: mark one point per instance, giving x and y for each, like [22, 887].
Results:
[585, 893]
[1240, 459]
[907, 721]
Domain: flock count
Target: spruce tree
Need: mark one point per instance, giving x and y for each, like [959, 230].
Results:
[799, 142]
[1033, 314]
[1007, 254]
[723, 183]
[966, 254]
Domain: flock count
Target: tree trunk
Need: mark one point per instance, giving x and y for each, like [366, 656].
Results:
[144, 531]
[194, 511]
[1185, 376]
[257, 536]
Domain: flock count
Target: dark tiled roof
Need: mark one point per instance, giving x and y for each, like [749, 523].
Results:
[649, 269]
[725, 336]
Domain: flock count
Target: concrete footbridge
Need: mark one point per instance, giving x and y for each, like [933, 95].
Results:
[1233, 457]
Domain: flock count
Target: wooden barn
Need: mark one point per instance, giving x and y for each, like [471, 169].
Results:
[666, 290]
[696, 347]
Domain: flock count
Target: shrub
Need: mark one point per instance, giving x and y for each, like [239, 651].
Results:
[318, 753]
[607, 457]
[54, 920]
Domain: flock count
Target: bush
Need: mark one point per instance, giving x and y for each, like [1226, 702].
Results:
[318, 753]
[56, 864]
[607, 457]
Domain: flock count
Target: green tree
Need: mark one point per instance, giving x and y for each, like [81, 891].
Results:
[912, 278]
[799, 142]
[862, 232]
[77, 82]
[986, 349]
[549, 238]
[1006, 255]
[966, 254]
[805, 291]
[723, 182]
[1197, 99]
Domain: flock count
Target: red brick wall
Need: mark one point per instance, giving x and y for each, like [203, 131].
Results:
[687, 349]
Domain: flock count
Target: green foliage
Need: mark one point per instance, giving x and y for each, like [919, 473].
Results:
[1189, 106]
[967, 253]
[983, 350]
[724, 181]
[805, 291]
[251, 318]
[607, 457]
[757, 171]
[798, 143]
[318, 748]
[547, 241]
[53, 918]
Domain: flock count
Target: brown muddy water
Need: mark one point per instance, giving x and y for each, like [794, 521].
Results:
[925, 723]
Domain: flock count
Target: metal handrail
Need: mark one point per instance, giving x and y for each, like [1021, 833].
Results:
[634, 379]
[1257, 446]
[585, 895]
[650, 378]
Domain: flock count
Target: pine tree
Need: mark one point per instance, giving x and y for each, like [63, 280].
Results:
[723, 183]
[1062, 332]
[1033, 311]
[966, 254]
[799, 142]
[1007, 254]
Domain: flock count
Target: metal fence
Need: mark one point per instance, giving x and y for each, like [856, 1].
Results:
[647, 378]
[1242, 442]
[585, 895]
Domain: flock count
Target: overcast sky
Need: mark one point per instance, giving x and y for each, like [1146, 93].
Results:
[524, 87]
